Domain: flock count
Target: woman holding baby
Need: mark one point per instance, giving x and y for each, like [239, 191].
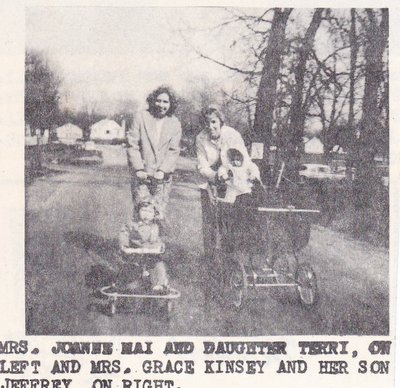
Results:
[223, 158]
[223, 161]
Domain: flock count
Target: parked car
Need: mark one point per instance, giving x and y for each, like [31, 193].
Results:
[310, 172]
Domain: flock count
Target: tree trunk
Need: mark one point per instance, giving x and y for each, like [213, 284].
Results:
[297, 109]
[366, 188]
[266, 94]
[370, 125]
[353, 62]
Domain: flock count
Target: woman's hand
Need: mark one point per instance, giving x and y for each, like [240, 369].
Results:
[159, 175]
[141, 174]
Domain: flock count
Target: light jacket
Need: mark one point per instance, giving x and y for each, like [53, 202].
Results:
[144, 152]
[209, 152]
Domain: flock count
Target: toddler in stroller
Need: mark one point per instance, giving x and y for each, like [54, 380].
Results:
[142, 248]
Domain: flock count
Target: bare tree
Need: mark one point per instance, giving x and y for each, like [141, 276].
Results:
[371, 125]
[267, 90]
[352, 76]
[353, 62]
[297, 109]
[266, 42]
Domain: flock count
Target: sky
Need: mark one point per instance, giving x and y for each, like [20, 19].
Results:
[108, 54]
[119, 53]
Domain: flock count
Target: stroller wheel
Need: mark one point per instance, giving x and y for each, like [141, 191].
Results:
[237, 285]
[306, 285]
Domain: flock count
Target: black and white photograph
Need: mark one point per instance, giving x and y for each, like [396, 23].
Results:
[207, 171]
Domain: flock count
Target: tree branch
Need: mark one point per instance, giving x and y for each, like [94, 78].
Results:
[233, 68]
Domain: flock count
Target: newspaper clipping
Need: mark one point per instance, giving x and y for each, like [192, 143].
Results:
[198, 194]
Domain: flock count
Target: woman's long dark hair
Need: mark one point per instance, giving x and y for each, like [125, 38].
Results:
[151, 99]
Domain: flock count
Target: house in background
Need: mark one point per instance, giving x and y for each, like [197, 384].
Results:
[69, 133]
[107, 131]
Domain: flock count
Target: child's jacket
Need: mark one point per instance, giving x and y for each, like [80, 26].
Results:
[140, 235]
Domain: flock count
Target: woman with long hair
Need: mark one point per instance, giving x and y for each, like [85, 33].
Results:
[153, 146]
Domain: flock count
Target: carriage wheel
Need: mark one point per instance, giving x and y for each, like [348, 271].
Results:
[237, 284]
[306, 285]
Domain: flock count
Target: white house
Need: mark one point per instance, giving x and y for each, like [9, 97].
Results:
[69, 133]
[107, 130]
[314, 146]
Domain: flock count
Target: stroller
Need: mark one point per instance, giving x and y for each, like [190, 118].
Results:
[142, 273]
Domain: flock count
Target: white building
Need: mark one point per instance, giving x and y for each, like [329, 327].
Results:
[106, 130]
[69, 133]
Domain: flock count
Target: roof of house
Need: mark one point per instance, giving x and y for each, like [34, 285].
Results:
[105, 124]
[68, 128]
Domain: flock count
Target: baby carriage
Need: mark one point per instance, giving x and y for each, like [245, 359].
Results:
[256, 243]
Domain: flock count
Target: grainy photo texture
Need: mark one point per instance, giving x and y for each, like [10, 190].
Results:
[206, 171]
